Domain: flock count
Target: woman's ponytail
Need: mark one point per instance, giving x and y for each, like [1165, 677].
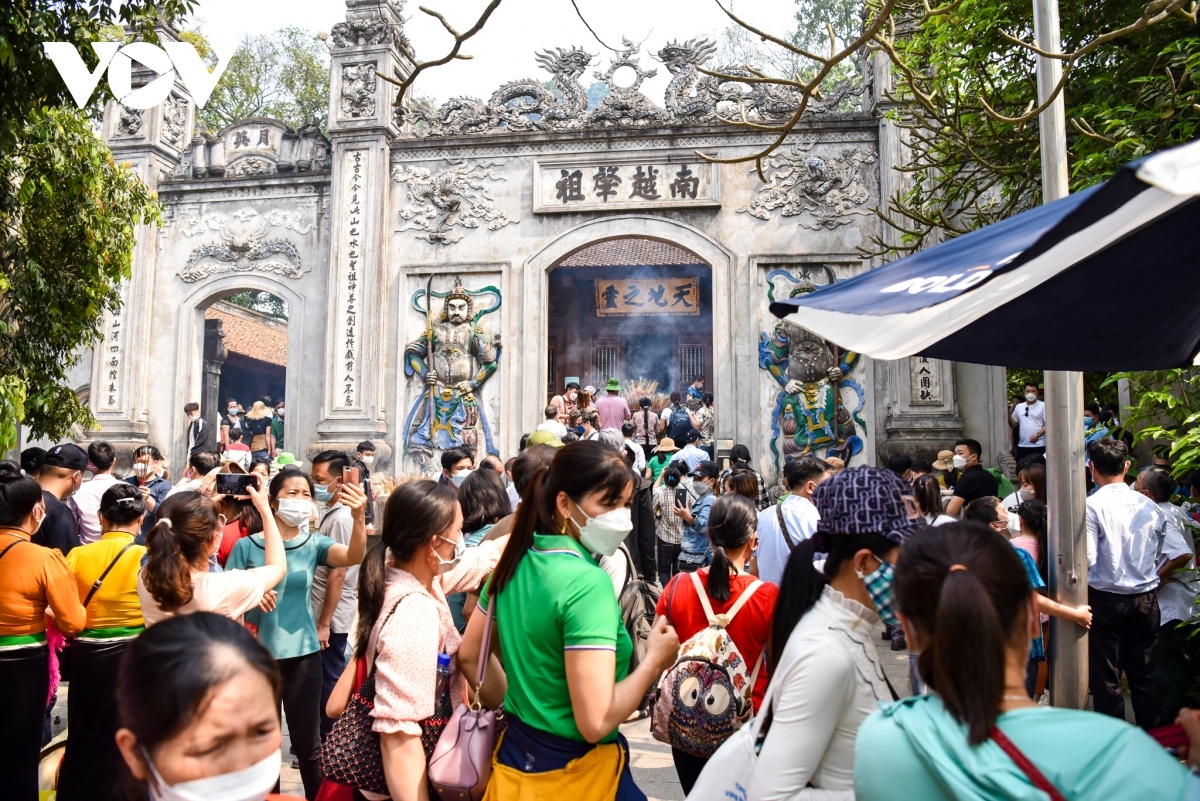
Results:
[964, 591]
[731, 524]
[968, 653]
[801, 586]
[372, 582]
[167, 574]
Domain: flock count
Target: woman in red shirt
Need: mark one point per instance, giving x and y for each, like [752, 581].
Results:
[732, 526]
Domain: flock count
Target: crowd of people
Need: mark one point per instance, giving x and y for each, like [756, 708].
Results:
[578, 586]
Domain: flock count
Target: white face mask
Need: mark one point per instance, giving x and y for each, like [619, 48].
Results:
[458, 478]
[232, 411]
[141, 469]
[448, 564]
[1031, 397]
[603, 534]
[1014, 523]
[959, 462]
[254, 783]
[368, 460]
[295, 511]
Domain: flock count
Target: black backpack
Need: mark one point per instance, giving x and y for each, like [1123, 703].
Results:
[678, 424]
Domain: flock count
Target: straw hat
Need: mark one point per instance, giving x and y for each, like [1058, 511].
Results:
[666, 445]
[258, 411]
[944, 460]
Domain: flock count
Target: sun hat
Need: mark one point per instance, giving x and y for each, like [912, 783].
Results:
[258, 411]
[613, 385]
[544, 437]
[285, 459]
[944, 460]
[867, 500]
[666, 445]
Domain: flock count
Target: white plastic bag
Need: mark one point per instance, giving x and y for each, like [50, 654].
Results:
[727, 775]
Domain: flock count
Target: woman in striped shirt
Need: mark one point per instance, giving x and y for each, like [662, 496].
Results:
[32, 579]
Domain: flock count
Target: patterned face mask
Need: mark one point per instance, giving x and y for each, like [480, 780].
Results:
[880, 586]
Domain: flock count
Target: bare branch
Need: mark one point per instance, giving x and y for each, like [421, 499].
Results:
[459, 39]
[595, 35]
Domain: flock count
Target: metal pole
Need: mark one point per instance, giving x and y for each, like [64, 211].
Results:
[1067, 560]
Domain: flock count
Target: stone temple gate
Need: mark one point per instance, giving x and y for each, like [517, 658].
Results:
[554, 239]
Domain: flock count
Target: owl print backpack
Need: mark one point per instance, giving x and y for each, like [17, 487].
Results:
[706, 695]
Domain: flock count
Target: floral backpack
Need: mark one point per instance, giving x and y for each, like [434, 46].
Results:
[706, 695]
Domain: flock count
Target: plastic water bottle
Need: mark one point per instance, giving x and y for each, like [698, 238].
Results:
[443, 675]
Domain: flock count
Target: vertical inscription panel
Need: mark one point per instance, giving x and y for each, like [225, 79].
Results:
[348, 314]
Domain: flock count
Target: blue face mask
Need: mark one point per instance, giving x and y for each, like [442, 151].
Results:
[1087, 422]
[880, 586]
[579, 430]
[321, 493]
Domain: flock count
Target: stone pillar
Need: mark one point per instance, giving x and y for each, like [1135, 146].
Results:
[153, 142]
[361, 126]
[916, 398]
[214, 357]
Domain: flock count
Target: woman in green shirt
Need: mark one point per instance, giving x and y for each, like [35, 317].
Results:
[967, 606]
[558, 628]
[284, 619]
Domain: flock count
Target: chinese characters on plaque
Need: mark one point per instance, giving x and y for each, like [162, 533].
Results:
[579, 186]
[112, 350]
[348, 313]
[925, 376]
[628, 297]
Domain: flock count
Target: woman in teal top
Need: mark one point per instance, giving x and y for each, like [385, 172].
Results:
[967, 606]
[285, 620]
[565, 652]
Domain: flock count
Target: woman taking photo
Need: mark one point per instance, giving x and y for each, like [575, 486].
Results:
[91, 763]
[965, 602]
[559, 632]
[284, 620]
[732, 527]
[199, 706]
[175, 579]
[825, 672]
[404, 623]
[32, 579]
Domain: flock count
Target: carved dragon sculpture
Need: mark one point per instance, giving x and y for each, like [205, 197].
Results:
[516, 104]
[689, 95]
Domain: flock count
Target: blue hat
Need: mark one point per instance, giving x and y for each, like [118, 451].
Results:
[867, 500]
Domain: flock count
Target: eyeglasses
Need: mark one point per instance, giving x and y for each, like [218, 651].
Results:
[1026, 411]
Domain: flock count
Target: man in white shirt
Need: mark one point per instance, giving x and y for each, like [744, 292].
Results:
[1176, 593]
[1126, 533]
[691, 453]
[85, 503]
[552, 423]
[797, 514]
[1029, 418]
[334, 590]
[639, 455]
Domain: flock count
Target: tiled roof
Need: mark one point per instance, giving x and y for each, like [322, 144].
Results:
[250, 333]
[631, 252]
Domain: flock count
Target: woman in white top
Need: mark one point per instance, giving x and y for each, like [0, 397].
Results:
[928, 493]
[825, 672]
[176, 581]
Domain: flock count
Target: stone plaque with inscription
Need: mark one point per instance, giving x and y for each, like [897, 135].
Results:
[925, 377]
[601, 184]
[629, 297]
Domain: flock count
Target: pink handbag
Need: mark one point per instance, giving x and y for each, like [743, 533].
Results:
[461, 763]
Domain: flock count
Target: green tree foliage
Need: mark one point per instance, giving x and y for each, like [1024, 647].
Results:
[261, 302]
[1166, 409]
[282, 75]
[67, 219]
[965, 91]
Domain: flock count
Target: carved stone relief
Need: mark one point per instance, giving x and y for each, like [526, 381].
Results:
[129, 121]
[250, 165]
[175, 114]
[456, 197]
[827, 190]
[691, 96]
[358, 90]
[243, 246]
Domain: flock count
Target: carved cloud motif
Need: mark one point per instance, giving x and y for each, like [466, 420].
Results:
[456, 197]
[243, 247]
[828, 190]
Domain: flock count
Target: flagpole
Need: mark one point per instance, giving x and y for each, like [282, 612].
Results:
[1067, 560]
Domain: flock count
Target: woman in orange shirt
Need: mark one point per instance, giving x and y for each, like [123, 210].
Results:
[32, 578]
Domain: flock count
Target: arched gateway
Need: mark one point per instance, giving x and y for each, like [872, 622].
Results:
[480, 208]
